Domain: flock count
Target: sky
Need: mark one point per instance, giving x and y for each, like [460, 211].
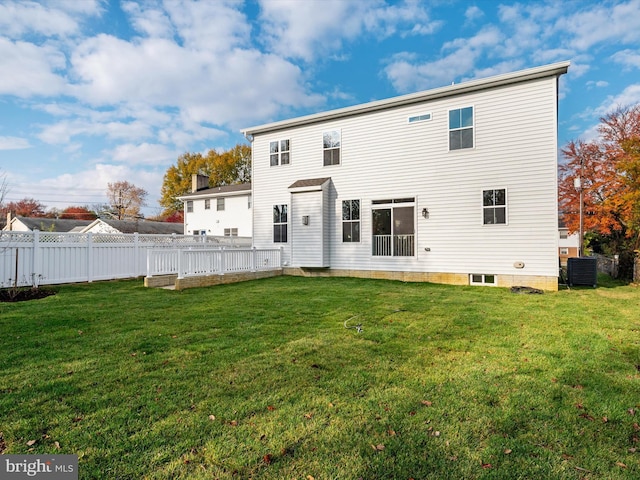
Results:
[98, 91]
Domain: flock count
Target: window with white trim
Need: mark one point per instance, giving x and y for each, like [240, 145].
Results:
[494, 207]
[189, 206]
[483, 279]
[207, 204]
[279, 152]
[461, 128]
[331, 147]
[280, 223]
[350, 221]
[230, 232]
[220, 204]
[564, 251]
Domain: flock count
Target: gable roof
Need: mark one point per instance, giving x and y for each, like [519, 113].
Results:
[221, 191]
[141, 226]
[551, 70]
[51, 224]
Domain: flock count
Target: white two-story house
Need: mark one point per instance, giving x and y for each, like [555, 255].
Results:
[217, 211]
[452, 185]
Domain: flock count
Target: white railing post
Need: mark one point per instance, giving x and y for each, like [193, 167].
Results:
[89, 257]
[281, 256]
[222, 261]
[254, 260]
[180, 275]
[149, 253]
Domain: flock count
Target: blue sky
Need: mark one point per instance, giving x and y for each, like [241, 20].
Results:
[96, 91]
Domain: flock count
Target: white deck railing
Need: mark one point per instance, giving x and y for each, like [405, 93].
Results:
[394, 245]
[211, 261]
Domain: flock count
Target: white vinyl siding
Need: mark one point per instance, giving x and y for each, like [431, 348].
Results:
[383, 157]
[214, 221]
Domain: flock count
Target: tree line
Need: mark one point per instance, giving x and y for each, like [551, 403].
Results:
[609, 171]
[125, 200]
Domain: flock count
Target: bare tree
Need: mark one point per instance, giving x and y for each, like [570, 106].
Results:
[125, 199]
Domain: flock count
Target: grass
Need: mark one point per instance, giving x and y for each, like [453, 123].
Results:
[261, 380]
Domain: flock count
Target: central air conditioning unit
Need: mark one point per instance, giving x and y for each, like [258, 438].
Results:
[582, 271]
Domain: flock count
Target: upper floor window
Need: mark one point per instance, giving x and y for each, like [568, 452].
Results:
[351, 220]
[207, 204]
[494, 207]
[189, 206]
[425, 117]
[331, 147]
[220, 204]
[279, 153]
[280, 223]
[461, 128]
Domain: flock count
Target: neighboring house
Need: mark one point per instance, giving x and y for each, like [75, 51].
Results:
[29, 224]
[452, 185]
[567, 244]
[218, 211]
[26, 224]
[102, 225]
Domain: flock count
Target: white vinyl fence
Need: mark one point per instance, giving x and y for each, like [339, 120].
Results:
[46, 258]
[209, 261]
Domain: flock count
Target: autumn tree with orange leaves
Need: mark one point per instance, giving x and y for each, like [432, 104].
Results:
[609, 168]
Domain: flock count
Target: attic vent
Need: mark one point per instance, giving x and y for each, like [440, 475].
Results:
[420, 118]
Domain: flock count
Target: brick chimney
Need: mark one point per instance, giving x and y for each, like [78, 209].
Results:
[199, 182]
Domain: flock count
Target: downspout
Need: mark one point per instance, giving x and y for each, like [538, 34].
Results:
[250, 138]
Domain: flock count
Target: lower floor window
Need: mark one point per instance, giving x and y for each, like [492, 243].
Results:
[482, 279]
[280, 223]
[393, 227]
[230, 232]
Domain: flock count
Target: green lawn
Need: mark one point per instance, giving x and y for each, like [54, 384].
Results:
[261, 380]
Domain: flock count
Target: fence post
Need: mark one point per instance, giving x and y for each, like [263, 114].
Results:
[89, 257]
[36, 265]
[149, 262]
[254, 260]
[281, 256]
[180, 263]
[222, 261]
[136, 255]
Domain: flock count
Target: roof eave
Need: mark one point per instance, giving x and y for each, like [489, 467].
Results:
[552, 70]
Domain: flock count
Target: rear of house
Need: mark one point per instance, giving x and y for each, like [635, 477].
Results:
[452, 185]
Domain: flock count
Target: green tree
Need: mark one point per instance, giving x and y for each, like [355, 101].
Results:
[227, 168]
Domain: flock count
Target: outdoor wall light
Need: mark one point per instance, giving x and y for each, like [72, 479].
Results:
[305, 219]
[425, 213]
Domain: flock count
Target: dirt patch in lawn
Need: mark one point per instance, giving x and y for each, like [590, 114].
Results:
[24, 294]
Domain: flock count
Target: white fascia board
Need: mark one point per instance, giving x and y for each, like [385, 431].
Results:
[554, 69]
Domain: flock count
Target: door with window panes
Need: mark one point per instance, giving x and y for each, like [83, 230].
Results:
[393, 227]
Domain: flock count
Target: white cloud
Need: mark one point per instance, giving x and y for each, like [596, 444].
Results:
[407, 76]
[62, 132]
[629, 96]
[20, 18]
[29, 69]
[473, 13]
[143, 154]
[14, 143]
[602, 24]
[628, 58]
[315, 29]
